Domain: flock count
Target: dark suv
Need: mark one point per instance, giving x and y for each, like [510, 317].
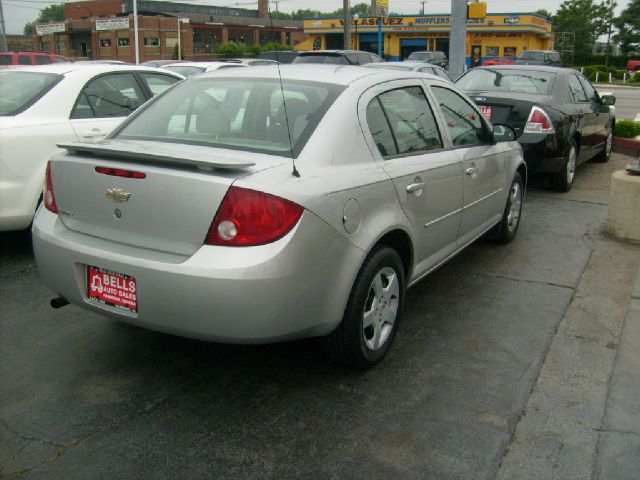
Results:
[434, 58]
[550, 58]
[338, 57]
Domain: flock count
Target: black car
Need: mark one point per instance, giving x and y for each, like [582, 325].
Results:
[558, 116]
[337, 57]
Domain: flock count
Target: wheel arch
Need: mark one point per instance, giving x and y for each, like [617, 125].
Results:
[400, 241]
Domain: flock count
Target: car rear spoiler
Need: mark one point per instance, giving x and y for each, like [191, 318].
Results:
[149, 151]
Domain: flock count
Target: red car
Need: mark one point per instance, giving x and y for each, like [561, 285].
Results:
[499, 61]
[633, 65]
[29, 58]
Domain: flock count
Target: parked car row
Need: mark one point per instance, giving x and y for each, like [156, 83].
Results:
[270, 204]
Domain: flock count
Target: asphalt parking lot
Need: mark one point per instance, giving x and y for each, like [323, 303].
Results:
[476, 385]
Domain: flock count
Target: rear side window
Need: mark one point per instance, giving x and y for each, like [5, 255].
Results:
[592, 95]
[410, 119]
[5, 59]
[109, 96]
[236, 113]
[24, 60]
[464, 123]
[20, 90]
[43, 60]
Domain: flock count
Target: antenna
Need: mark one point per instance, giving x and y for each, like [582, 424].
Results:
[284, 101]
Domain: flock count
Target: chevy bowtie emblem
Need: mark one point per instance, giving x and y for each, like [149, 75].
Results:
[118, 194]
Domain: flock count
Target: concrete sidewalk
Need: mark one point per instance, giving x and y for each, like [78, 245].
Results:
[582, 419]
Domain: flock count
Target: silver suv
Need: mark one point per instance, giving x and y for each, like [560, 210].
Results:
[435, 58]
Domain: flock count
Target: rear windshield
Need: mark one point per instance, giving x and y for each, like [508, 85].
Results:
[186, 71]
[19, 90]
[511, 80]
[235, 113]
[321, 58]
[528, 55]
[420, 56]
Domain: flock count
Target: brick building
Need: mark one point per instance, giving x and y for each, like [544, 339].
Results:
[103, 29]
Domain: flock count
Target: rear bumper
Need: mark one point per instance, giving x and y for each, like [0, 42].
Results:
[543, 153]
[295, 287]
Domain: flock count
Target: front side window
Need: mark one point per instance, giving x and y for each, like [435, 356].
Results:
[24, 60]
[43, 60]
[592, 95]
[464, 123]
[158, 83]
[410, 121]
[577, 93]
[109, 96]
[236, 113]
[5, 59]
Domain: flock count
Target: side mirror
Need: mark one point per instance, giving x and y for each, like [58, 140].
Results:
[503, 133]
[608, 99]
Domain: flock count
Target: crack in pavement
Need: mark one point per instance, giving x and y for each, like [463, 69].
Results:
[63, 448]
[506, 277]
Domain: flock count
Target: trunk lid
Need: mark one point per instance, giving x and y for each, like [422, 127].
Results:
[506, 109]
[170, 209]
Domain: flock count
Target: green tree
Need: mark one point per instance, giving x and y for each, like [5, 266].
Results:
[628, 25]
[544, 12]
[587, 20]
[52, 12]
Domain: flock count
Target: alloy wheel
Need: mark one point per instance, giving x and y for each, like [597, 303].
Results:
[381, 308]
[571, 165]
[515, 206]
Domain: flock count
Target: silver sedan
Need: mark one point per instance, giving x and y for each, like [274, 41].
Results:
[254, 207]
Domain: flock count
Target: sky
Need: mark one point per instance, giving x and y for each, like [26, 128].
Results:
[18, 12]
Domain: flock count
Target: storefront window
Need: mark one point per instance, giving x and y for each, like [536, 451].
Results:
[510, 51]
[492, 51]
[241, 36]
[105, 42]
[152, 42]
[123, 42]
[288, 38]
[60, 46]
[205, 40]
[266, 37]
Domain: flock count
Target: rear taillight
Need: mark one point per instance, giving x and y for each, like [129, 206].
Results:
[247, 217]
[538, 122]
[49, 196]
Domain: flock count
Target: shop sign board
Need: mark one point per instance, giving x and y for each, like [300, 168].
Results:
[49, 28]
[115, 23]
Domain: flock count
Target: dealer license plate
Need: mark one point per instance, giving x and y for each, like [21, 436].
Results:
[486, 111]
[112, 288]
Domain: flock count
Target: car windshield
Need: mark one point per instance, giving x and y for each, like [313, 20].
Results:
[321, 58]
[186, 71]
[503, 80]
[235, 113]
[19, 90]
[532, 56]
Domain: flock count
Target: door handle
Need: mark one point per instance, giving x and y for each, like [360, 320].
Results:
[414, 187]
[94, 133]
[471, 170]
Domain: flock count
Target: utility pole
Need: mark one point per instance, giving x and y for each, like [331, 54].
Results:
[422, 7]
[347, 25]
[458, 38]
[135, 31]
[5, 46]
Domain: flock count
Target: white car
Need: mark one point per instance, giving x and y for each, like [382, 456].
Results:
[41, 106]
[189, 69]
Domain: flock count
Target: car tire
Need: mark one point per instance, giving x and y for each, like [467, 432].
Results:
[562, 181]
[605, 154]
[506, 230]
[372, 314]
